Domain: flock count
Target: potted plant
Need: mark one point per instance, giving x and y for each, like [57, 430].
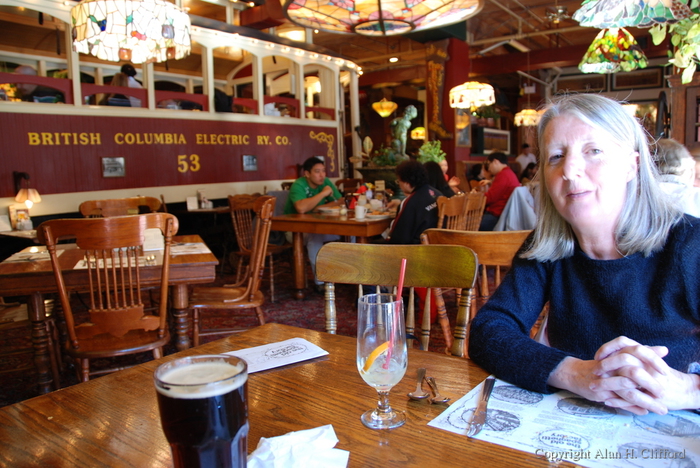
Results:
[431, 151]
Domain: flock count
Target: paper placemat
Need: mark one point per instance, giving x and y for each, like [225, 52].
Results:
[564, 426]
[282, 353]
[191, 248]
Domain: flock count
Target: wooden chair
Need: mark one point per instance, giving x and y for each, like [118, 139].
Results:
[430, 266]
[452, 212]
[242, 207]
[246, 293]
[117, 324]
[119, 207]
[348, 185]
[493, 248]
[476, 204]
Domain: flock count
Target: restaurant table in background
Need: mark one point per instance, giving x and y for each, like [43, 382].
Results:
[315, 223]
[213, 225]
[114, 421]
[519, 212]
[35, 278]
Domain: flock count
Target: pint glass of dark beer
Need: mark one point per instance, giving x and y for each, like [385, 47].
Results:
[204, 411]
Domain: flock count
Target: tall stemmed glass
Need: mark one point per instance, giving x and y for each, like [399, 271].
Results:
[382, 356]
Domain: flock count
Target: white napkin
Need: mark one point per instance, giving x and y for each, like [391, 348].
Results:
[312, 448]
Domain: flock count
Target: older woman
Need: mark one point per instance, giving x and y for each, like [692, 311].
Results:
[618, 264]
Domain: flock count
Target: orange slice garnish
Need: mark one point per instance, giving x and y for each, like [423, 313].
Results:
[378, 351]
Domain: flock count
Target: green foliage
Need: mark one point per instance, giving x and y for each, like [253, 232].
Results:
[685, 36]
[385, 156]
[431, 151]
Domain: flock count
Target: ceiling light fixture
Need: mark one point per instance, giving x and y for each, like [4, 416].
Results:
[527, 117]
[379, 17]
[471, 95]
[613, 50]
[384, 107]
[132, 30]
[626, 13]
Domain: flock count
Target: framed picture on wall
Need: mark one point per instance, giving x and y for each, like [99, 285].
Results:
[648, 78]
[496, 141]
[582, 83]
[463, 130]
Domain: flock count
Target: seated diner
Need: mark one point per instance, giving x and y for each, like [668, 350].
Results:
[616, 261]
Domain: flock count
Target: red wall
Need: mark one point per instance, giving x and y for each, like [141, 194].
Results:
[64, 153]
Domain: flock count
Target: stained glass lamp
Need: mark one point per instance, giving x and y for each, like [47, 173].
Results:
[613, 50]
[379, 17]
[626, 13]
[133, 30]
[384, 107]
[471, 95]
[527, 118]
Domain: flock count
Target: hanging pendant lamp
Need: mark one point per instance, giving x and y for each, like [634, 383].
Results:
[613, 50]
[384, 107]
[133, 30]
[379, 17]
[471, 95]
[527, 118]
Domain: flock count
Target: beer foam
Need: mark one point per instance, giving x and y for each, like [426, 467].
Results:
[201, 380]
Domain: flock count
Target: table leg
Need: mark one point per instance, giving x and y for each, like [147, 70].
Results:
[181, 316]
[299, 266]
[40, 342]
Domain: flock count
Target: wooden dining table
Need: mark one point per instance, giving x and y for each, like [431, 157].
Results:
[35, 278]
[113, 420]
[317, 223]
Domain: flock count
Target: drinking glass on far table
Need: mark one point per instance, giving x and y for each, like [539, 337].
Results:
[204, 411]
[382, 356]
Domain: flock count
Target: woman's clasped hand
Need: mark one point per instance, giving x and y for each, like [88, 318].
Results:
[628, 375]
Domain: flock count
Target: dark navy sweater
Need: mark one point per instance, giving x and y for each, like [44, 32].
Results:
[653, 300]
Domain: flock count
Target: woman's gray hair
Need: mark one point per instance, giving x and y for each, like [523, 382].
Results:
[647, 215]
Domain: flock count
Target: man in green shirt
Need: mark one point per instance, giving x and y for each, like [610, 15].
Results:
[307, 193]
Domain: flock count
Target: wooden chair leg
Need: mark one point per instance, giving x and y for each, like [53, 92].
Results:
[83, 369]
[425, 326]
[195, 327]
[329, 309]
[261, 316]
[157, 353]
[54, 353]
[272, 278]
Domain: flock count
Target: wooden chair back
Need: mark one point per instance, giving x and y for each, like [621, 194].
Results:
[263, 207]
[476, 204]
[430, 266]
[248, 295]
[493, 248]
[346, 186]
[115, 265]
[242, 208]
[119, 207]
[452, 212]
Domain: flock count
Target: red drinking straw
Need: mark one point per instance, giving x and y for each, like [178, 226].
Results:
[397, 311]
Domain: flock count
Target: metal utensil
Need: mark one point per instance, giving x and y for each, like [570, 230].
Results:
[419, 394]
[437, 398]
[479, 417]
